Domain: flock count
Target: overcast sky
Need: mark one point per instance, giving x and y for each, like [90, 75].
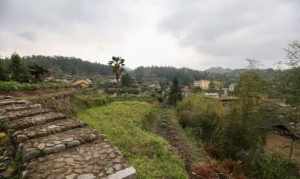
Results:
[184, 33]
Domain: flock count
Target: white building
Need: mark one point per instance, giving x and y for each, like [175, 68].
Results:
[231, 87]
[203, 84]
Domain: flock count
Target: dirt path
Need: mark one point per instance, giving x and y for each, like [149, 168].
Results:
[167, 126]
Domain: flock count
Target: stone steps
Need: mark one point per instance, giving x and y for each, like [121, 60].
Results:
[19, 107]
[93, 160]
[35, 120]
[12, 115]
[57, 142]
[46, 129]
[5, 97]
[54, 146]
[6, 102]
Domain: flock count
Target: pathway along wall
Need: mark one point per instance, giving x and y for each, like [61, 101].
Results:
[54, 146]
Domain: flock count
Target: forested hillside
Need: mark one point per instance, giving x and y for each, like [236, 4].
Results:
[69, 65]
[59, 65]
[187, 76]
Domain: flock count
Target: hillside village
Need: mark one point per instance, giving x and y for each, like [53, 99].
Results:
[205, 127]
[109, 89]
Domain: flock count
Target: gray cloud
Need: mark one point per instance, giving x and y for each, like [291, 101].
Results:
[190, 33]
[236, 29]
[27, 36]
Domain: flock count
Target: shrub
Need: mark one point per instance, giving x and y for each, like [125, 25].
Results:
[201, 105]
[273, 167]
[130, 90]
[7, 86]
[225, 169]
[203, 115]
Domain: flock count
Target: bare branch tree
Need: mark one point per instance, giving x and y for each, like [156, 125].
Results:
[253, 63]
[293, 53]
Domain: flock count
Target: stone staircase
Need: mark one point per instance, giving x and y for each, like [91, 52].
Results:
[57, 147]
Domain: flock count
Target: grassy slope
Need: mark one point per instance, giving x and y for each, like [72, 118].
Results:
[148, 153]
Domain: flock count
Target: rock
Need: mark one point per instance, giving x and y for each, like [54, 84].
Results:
[110, 171]
[41, 146]
[72, 176]
[31, 154]
[118, 167]
[86, 176]
[69, 160]
[73, 143]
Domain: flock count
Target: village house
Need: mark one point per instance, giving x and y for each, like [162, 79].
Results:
[186, 91]
[231, 87]
[203, 84]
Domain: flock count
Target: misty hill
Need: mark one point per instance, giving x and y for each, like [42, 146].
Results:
[218, 70]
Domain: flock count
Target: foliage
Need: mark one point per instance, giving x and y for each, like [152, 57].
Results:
[117, 64]
[3, 71]
[250, 85]
[9, 86]
[37, 72]
[126, 80]
[293, 53]
[83, 101]
[203, 115]
[18, 70]
[242, 134]
[59, 65]
[122, 123]
[225, 169]
[287, 85]
[175, 94]
[273, 167]
[195, 106]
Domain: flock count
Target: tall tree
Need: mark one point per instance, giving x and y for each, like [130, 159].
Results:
[287, 82]
[126, 80]
[175, 94]
[250, 89]
[3, 72]
[37, 72]
[253, 63]
[293, 53]
[17, 69]
[117, 64]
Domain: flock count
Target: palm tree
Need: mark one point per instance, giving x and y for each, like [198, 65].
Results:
[117, 64]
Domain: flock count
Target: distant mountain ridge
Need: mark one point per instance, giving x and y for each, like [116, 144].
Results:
[60, 65]
[219, 70]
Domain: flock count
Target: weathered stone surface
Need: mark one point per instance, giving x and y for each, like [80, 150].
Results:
[5, 97]
[12, 101]
[78, 160]
[35, 120]
[19, 107]
[46, 129]
[54, 147]
[57, 142]
[12, 115]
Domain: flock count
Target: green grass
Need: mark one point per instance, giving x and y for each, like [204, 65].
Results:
[9, 86]
[122, 122]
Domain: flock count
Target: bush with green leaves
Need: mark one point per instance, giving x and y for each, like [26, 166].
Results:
[10, 86]
[195, 108]
[268, 166]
